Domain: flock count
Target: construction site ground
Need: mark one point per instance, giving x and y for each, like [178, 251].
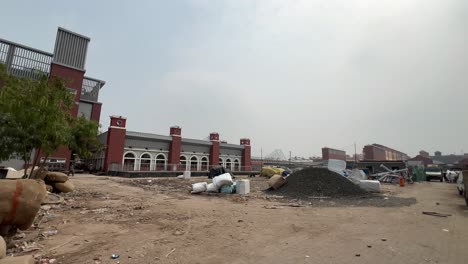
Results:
[159, 221]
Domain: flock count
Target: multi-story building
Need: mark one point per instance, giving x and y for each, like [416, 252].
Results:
[66, 62]
[380, 152]
[124, 150]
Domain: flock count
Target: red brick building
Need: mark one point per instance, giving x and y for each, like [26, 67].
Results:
[380, 152]
[66, 62]
[136, 151]
[329, 153]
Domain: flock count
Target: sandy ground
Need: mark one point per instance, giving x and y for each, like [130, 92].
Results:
[143, 222]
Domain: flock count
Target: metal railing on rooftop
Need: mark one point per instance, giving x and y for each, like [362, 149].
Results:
[90, 89]
[23, 61]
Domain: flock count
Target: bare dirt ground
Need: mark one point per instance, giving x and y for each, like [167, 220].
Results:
[158, 221]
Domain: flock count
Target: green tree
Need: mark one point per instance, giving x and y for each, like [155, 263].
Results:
[35, 115]
[83, 137]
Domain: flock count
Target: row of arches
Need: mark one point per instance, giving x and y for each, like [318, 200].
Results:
[146, 162]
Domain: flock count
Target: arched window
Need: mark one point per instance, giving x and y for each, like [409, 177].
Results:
[129, 162]
[221, 162]
[183, 163]
[145, 162]
[204, 164]
[160, 162]
[193, 164]
[236, 165]
[228, 164]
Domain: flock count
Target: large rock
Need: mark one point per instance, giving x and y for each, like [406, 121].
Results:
[49, 188]
[65, 187]
[276, 181]
[18, 260]
[56, 177]
[20, 201]
[39, 173]
[2, 248]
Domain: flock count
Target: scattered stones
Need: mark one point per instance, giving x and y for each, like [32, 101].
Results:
[18, 260]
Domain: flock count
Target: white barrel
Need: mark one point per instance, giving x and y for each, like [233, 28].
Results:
[243, 187]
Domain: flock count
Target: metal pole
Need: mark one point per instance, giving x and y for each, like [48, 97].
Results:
[355, 155]
[289, 158]
[261, 156]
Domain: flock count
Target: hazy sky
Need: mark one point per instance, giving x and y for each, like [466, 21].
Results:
[290, 75]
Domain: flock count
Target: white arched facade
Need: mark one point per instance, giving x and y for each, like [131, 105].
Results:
[144, 160]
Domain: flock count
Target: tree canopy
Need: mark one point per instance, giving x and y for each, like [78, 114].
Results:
[36, 115]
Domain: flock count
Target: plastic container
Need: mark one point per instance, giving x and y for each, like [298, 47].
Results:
[243, 187]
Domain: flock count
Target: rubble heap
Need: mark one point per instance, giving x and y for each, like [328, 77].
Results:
[319, 182]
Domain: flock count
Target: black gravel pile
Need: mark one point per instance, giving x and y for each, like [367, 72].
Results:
[319, 182]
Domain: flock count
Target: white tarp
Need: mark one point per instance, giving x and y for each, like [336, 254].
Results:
[338, 166]
[370, 186]
[223, 179]
[199, 187]
[357, 175]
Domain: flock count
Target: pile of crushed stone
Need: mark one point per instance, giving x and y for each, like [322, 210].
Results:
[319, 182]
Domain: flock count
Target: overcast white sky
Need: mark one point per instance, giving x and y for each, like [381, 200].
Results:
[290, 75]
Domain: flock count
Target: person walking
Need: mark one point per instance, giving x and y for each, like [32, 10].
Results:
[71, 168]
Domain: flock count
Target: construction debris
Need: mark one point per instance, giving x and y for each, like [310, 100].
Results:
[319, 182]
[18, 260]
[436, 214]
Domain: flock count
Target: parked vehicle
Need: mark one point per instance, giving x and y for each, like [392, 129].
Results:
[433, 173]
[462, 186]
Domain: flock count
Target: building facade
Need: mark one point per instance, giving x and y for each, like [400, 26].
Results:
[145, 152]
[329, 153]
[67, 62]
[380, 152]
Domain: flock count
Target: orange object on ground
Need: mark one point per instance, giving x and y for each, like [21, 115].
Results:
[402, 181]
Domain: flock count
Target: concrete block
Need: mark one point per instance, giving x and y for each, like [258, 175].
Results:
[243, 187]
[18, 260]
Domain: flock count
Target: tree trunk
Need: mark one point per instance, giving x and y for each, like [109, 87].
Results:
[36, 158]
[43, 163]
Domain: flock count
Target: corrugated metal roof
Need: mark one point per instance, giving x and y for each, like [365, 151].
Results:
[147, 135]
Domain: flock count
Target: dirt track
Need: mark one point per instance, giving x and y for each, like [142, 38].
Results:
[144, 224]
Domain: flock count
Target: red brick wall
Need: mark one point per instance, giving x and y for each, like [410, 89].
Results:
[329, 153]
[116, 119]
[73, 79]
[246, 159]
[425, 160]
[96, 112]
[115, 142]
[214, 153]
[174, 150]
[246, 155]
[174, 147]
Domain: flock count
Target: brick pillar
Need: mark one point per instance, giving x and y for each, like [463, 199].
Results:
[245, 160]
[115, 142]
[174, 148]
[214, 150]
[96, 112]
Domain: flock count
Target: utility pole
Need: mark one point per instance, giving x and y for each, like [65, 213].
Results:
[355, 155]
[289, 158]
[261, 156]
